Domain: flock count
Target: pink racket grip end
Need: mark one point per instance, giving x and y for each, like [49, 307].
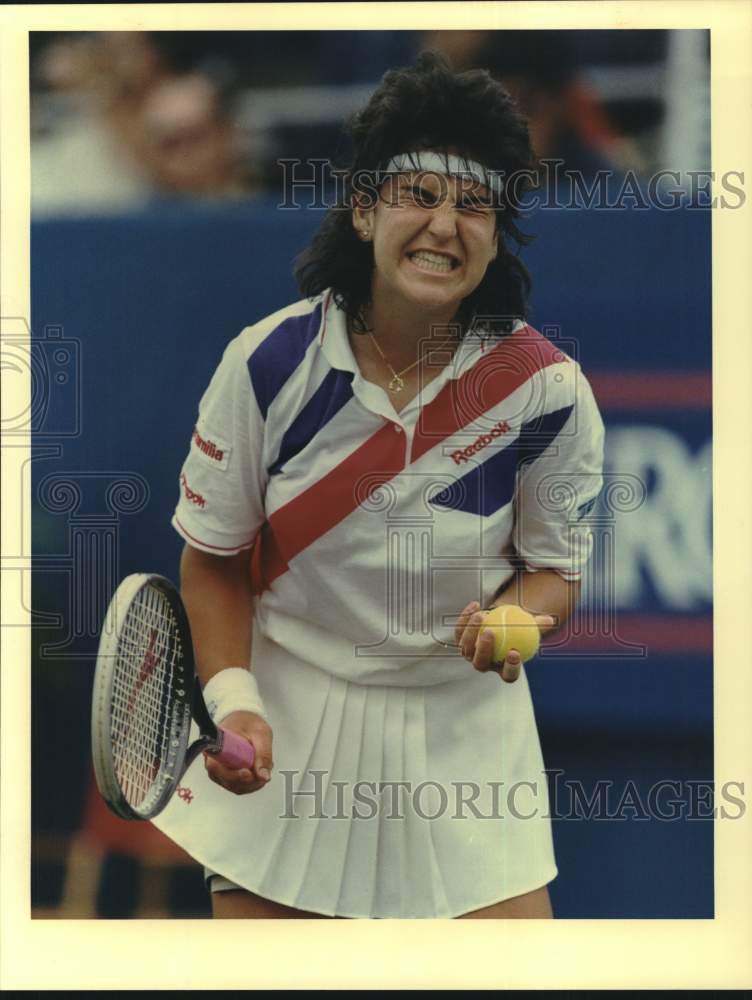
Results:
[236, 752]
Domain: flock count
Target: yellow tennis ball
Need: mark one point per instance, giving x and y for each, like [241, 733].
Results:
[513, 628]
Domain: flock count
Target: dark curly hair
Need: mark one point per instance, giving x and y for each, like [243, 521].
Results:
[427, 107]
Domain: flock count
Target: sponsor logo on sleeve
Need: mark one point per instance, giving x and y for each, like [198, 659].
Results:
[191, 495]
[210, 448]
[465, 454]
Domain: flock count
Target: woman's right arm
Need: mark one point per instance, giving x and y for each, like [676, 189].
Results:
[217, 594]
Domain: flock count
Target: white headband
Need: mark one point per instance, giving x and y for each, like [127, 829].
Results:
[444, 163]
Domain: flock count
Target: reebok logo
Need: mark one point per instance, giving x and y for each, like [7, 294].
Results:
[464, 454]
[191, 494]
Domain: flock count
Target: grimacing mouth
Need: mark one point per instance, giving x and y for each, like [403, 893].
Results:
[454, 261]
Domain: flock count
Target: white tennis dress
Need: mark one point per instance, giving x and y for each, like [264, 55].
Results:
[406, 784]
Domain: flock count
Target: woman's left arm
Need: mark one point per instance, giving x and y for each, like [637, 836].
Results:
[573, 459]
[545, 594]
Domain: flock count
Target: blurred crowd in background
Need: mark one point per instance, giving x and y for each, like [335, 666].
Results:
[122, 120]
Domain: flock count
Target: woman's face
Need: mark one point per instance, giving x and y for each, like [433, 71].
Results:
[433, 238]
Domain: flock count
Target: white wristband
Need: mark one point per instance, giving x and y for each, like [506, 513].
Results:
[233, 689]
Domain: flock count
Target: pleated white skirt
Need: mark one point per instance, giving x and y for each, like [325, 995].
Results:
[384, 801]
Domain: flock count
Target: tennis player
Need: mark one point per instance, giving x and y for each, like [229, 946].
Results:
[373, 467]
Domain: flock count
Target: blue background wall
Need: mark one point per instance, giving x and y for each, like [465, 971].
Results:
[145, 305]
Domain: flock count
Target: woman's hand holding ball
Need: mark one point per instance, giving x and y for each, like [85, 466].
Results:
[500, 639]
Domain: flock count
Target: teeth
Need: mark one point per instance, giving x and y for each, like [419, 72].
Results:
[433, 261]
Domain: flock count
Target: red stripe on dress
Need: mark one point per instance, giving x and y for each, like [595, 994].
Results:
[267, 562]
[495, 376]
[326, 503]
[302, 521]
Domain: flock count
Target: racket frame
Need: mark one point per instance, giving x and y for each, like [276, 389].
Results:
[186, 700]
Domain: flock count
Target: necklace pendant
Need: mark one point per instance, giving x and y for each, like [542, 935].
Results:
[397, 384]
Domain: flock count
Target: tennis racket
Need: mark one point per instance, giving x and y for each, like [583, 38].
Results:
[145, 693]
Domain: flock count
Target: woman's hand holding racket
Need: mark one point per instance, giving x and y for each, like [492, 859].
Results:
[145, 696]
[477, 644]
[257, 731]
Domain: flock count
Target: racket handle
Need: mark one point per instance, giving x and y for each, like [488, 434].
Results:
[235, 752]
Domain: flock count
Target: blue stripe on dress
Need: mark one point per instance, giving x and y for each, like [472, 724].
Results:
[279, 354]
[334, 391]
[489, 486]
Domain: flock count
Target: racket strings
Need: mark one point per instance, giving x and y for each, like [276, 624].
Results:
[148, 668]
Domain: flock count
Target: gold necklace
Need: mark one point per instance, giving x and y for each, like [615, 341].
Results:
[397, 383]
